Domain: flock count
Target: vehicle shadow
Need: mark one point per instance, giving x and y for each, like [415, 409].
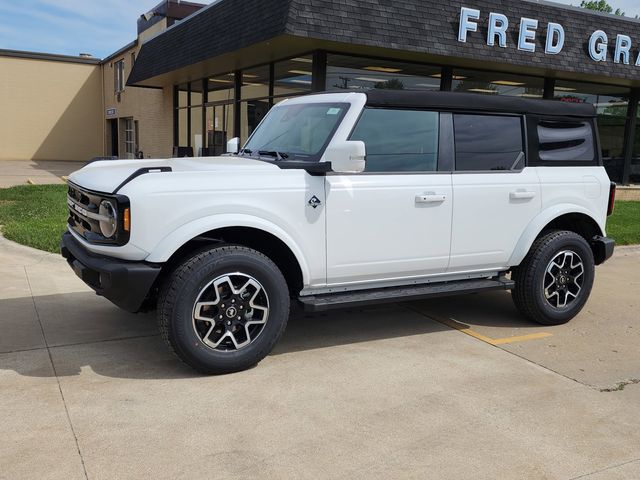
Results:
[84, 331]
[490, 309]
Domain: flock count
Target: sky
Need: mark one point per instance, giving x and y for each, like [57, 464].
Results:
[100, 27]
[70, 27]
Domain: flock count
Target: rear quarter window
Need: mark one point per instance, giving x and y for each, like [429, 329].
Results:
[566, 141]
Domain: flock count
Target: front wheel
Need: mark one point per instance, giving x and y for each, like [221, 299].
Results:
[224, 309]
[554, 281]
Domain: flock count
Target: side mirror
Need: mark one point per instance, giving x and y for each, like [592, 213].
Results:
[233, 145]
[347, 157]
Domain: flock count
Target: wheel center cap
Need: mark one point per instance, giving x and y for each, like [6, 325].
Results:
[231, 312]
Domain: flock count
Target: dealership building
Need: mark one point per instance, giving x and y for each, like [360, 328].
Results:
[197, 76]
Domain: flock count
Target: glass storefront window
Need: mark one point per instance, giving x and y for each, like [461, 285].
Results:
[612, 104]
[293, 77]
[219, 128]
[358, 73]
[255, 82]
[196, 139]
[183, 95]
[183, 134]
[220, 88]
[495, 83]
[251, 114]
[634, 176]
[196, 93]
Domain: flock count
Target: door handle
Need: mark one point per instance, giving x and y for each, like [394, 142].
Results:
[431, 198]
[522, 195]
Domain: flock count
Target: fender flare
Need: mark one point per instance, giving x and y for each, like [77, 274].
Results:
[538, 224]
[176, 239]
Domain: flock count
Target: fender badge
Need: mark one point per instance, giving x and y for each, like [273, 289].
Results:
[314, 202]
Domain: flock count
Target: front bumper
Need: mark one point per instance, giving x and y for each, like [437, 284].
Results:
[124, 283]
[603, 248]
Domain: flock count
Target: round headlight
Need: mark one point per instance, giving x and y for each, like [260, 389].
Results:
[108, 227]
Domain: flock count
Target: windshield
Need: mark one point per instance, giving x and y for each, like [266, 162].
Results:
[296, 132]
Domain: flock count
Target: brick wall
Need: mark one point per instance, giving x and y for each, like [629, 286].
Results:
[152, 108]
[628, 193]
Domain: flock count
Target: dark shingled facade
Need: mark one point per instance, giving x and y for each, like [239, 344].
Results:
[427, 27]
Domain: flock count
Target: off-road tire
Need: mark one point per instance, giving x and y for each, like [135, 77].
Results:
[181, 288]
[529, 293]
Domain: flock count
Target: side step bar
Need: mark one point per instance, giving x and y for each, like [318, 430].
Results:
[320, 303]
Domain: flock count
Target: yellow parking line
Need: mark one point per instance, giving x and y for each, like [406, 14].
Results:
[461, 327]
[521, 338]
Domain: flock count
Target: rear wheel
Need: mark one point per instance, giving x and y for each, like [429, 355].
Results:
[224, 309]
[554, 281]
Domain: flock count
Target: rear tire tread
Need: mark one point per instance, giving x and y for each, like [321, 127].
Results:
[524, 276]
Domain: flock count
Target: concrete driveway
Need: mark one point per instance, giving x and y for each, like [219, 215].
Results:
[457, 388]
[35, 172]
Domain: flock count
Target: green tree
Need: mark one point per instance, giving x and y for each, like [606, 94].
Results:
[392, 84]
[601, 6]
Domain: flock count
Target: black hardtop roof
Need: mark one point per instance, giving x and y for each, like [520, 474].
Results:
[473, 102]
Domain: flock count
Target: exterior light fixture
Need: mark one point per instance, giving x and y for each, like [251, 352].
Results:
[483, 90]
[370, 79]
[384, 69]
[508, 83]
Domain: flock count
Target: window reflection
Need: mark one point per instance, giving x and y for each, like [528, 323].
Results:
[635, 162]
[495, 83]
[357, 73]
[612, 105]
[255, 82]
[293, 76]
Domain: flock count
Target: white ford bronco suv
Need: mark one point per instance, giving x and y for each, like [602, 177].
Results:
[347, 199]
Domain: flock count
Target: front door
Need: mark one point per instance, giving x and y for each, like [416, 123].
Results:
[392, 223]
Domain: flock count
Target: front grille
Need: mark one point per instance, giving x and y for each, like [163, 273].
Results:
[80, 204]
[84, 215]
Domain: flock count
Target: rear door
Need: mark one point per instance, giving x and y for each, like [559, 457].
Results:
[495, 195]
[392, 222]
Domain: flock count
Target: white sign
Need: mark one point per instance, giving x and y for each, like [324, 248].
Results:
[111, 112]
[554, 36]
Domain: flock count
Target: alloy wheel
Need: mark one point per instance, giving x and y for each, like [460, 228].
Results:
[230, 312]
[563, 279]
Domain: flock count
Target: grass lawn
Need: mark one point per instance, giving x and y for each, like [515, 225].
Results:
[36, 215]
[624, 225]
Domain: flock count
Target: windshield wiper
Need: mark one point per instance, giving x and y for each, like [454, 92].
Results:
[274, 153]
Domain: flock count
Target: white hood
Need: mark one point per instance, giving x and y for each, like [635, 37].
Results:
[106, 176]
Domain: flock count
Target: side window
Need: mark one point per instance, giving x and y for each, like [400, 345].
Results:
[488, 142]
[399, 140]
[566, 141]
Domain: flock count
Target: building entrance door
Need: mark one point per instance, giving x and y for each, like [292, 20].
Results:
[113, 137]
[219, 125]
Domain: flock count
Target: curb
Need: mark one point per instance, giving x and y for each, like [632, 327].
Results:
[24, 248]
